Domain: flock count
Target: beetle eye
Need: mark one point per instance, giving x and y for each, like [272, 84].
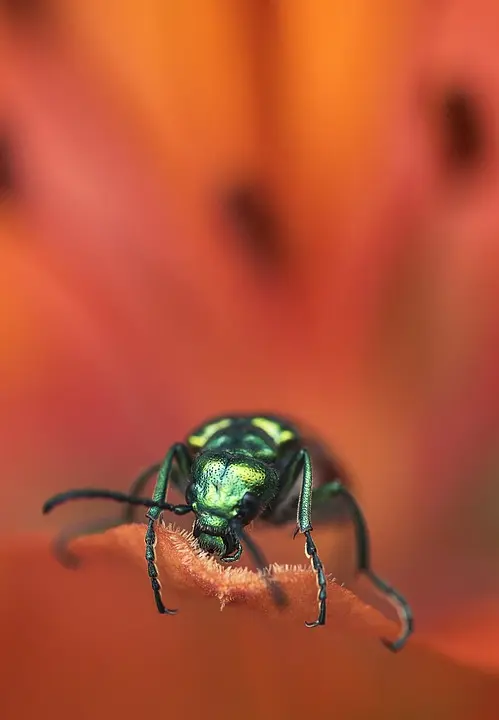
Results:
[249, 507]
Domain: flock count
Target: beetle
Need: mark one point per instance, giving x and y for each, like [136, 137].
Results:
[232, 470]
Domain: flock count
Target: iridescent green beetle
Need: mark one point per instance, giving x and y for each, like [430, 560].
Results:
[232, 470]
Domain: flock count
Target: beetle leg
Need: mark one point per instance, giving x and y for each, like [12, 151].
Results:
[335, 489]
[180, 453]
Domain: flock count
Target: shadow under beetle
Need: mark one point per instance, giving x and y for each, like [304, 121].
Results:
[233, 470]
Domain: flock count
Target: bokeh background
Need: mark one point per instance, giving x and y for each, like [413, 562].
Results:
[217, 205]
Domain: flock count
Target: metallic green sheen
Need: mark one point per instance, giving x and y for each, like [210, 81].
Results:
[220, 480]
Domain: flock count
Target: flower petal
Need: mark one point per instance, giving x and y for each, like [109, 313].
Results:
[94, 646]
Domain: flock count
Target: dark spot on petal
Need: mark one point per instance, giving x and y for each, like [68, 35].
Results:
[6, 169]
[253, 220]
[24, 13]
[463, 131]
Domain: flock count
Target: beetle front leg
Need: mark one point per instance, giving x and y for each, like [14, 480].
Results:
[302, 462]
[180, 453]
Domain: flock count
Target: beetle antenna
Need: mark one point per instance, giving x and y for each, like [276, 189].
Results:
[261, 563]
[92, 494]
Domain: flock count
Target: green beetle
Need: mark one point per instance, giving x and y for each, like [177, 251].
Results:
[232, 470]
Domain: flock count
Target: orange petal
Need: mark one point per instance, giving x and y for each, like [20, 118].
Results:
[94, 646]
[187, 569]
[471, 635]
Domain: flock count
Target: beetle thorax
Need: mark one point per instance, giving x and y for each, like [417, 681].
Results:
[220, 481]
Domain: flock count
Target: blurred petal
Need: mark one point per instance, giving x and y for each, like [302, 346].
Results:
[472, 636]
[133, 316]
[435, 507]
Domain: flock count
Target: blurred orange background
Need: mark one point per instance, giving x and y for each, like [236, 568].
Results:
[133, 304]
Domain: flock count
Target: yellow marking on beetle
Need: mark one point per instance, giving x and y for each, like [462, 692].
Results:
[274, 429]
[199, 439]
[247, 474]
